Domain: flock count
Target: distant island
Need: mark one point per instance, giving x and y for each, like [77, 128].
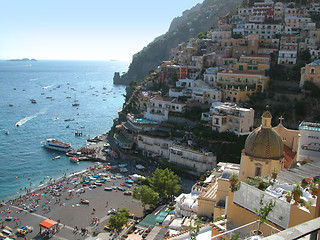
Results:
[23, 60]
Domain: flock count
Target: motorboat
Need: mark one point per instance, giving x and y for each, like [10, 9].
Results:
[74, 160]
[75, 104]
[56, 157]
[7, 132]
[32, 100]
[69, 119]
[79, 134]
[54, 144]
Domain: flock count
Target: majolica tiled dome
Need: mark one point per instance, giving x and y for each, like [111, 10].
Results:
[264, 142]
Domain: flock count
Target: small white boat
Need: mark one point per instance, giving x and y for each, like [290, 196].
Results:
[56, 157]
[74, 159]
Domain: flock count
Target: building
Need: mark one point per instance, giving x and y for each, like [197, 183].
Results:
[158, 108]
[228, 117]
[263, 151]
[309, 144]
[311, 72]
[287, 57]
[198, 161]
[154, 145]
[237, 85]
[265, 31]
[212, 200]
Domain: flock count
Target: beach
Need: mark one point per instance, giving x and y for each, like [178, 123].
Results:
[61, 199]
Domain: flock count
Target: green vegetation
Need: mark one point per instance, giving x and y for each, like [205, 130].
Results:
[264, 210]
[194, 230]
[165, 182]
[146, 195]
[119, 219]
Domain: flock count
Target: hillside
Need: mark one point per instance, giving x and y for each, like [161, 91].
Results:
[200, 18]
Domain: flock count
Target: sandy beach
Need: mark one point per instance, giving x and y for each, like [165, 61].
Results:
[61, 199]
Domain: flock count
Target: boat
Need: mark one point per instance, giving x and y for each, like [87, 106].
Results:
[10, 105]
[56, 157]
[79, 134]
[74, 160]
[69, 119]
[54, 144]
[32, 100]
[7, 132]
[75, 104]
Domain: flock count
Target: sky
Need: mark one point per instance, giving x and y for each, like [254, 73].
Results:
[83, 29]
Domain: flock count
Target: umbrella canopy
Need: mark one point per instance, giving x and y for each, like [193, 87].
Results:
[48, 223]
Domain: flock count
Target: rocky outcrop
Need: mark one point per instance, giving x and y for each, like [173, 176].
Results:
[200, 18]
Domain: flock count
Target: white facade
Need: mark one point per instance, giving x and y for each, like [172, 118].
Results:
[309, 144]
[210, 75]
[228, 117]
[197, 160]
[287, 57]
[266, 31]
[159, 107]
[154, 145]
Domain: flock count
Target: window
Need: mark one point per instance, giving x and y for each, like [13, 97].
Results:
[258, 171]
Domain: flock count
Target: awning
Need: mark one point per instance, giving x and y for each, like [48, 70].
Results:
[48, 223]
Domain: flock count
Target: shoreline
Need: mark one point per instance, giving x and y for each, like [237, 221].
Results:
[35, 188]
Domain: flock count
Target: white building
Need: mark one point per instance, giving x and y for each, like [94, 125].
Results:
[309, 144]
[199, 161]
[266, 31]
[154, 146]
[228, 117]
[159, 107]
[287, 57]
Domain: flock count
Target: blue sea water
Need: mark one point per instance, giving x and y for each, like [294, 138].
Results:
[55, 85]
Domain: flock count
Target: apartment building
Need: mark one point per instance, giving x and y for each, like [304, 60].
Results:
[265, 31]
[158, 108]
[199, 161]
[154, 145]
[259, 63]
[228, 117]
[236, 85]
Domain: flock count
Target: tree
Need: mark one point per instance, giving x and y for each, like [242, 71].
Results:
[194, 230]
[119, 219]
[264, 211]
[165, 182]
[146, 195]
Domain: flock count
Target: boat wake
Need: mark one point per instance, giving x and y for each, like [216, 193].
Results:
[28, 118]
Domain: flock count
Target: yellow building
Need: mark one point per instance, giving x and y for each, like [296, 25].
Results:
[237, 85]
[263, 151]
[311, 72]
[259, 63]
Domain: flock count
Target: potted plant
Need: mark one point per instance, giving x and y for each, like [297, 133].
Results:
[314, 189]
[274, 174]
[288, 197]
[234, 185]
[297, 193]
[263, 213]
[233, 178]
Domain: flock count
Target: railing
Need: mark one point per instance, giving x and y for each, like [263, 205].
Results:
[306, 230]
[246, 231]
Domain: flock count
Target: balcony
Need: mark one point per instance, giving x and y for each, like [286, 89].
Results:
[244, 232]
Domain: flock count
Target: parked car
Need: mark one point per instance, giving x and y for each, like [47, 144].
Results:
[311, 146]
[129, 193]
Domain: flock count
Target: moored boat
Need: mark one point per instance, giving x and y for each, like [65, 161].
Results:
[33, 100]
[53, 144]
[56, 157]
[74, 159]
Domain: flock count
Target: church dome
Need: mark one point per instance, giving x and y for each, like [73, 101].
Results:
[264, 142]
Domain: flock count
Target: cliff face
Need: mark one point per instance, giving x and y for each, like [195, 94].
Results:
[200, 18]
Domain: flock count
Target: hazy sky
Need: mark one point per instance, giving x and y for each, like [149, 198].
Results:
[83, 29]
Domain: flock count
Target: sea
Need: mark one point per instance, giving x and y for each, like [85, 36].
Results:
[55, 86]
